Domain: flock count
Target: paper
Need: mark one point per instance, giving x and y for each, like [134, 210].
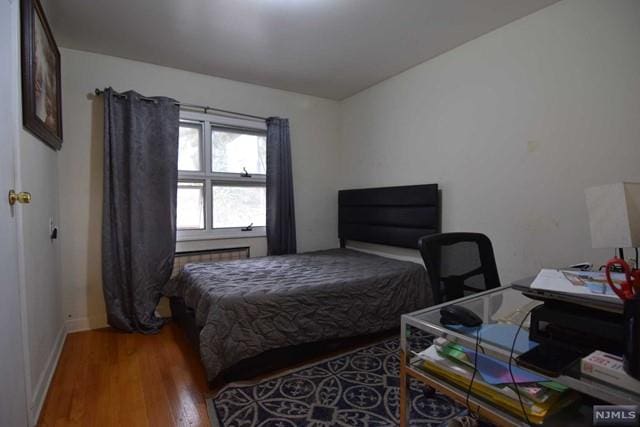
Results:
[577, 282]
[501, 334]
[495, 372]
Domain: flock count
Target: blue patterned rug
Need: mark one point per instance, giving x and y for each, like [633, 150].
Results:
[360, 388]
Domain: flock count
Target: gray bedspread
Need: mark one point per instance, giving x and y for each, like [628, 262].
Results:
[246, 307]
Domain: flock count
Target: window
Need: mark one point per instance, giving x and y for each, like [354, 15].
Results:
[190, 205]
[221, 178]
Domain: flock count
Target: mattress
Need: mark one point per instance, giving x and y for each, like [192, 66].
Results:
[246, 307]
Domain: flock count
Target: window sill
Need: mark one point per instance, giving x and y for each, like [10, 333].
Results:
[220, 235]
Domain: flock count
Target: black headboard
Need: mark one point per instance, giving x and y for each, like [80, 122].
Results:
[394, 216]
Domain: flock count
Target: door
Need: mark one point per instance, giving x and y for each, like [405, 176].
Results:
[13, 402]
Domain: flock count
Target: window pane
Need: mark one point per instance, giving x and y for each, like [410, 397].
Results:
[238, 206]
[190, 212]
[189, 147]
[231, 151]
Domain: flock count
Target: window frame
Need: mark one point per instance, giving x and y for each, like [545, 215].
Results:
[208, 123]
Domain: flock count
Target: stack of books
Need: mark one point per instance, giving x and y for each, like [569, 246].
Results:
[493, 381]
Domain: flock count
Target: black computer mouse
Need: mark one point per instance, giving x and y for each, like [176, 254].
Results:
[456, 315]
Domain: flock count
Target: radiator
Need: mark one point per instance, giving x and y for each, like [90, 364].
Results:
[182, 258]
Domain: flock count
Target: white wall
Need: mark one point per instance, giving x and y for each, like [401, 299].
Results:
[39, 261]
[314, 133]
[513, 126]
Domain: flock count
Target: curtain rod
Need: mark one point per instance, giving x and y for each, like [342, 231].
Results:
[206, 108]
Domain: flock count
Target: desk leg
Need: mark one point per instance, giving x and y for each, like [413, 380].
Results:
[404, 390]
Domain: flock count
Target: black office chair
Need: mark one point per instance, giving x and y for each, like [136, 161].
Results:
[459, 264]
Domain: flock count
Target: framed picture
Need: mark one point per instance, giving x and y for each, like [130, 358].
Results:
[41, 94]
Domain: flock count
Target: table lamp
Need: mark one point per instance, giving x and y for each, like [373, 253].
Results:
[614, 220]
[614, 215]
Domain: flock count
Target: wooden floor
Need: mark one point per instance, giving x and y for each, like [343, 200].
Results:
[108, 378]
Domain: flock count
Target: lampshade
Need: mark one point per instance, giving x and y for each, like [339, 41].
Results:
[614, 215]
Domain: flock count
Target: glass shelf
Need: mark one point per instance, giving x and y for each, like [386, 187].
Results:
[504, 306]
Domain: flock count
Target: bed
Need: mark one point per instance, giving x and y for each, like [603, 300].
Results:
[240, 310]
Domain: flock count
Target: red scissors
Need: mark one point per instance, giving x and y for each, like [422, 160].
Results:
[630, 286]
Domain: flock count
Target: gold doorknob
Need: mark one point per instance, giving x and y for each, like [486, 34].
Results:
[21, 197]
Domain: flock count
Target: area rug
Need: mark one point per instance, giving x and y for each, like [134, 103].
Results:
[360, 388]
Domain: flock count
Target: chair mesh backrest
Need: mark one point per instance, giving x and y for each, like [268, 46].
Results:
[459, 264]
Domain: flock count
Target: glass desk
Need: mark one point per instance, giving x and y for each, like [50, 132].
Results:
[503, 305]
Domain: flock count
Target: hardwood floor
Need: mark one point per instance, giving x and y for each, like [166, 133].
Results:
[108, 378]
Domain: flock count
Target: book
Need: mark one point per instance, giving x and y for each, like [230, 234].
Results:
[535, 392]
[609, 369]
[532, 392]
[497, 372]
[506, 399]
[494, 371]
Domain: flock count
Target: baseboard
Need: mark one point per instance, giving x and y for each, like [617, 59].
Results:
[85, 324]
[80, 324]
[163, 309]
[39, 393]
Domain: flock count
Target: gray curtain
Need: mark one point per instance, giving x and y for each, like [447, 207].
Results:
[281, 221]
[139, 207]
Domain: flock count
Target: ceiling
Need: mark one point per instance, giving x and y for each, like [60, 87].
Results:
[328, 48]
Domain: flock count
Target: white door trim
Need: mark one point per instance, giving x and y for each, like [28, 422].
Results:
[17, 102]
[14, 112]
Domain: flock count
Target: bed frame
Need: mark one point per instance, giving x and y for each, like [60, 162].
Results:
[392, 216]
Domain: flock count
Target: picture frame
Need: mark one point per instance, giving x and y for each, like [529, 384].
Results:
[41, 88]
